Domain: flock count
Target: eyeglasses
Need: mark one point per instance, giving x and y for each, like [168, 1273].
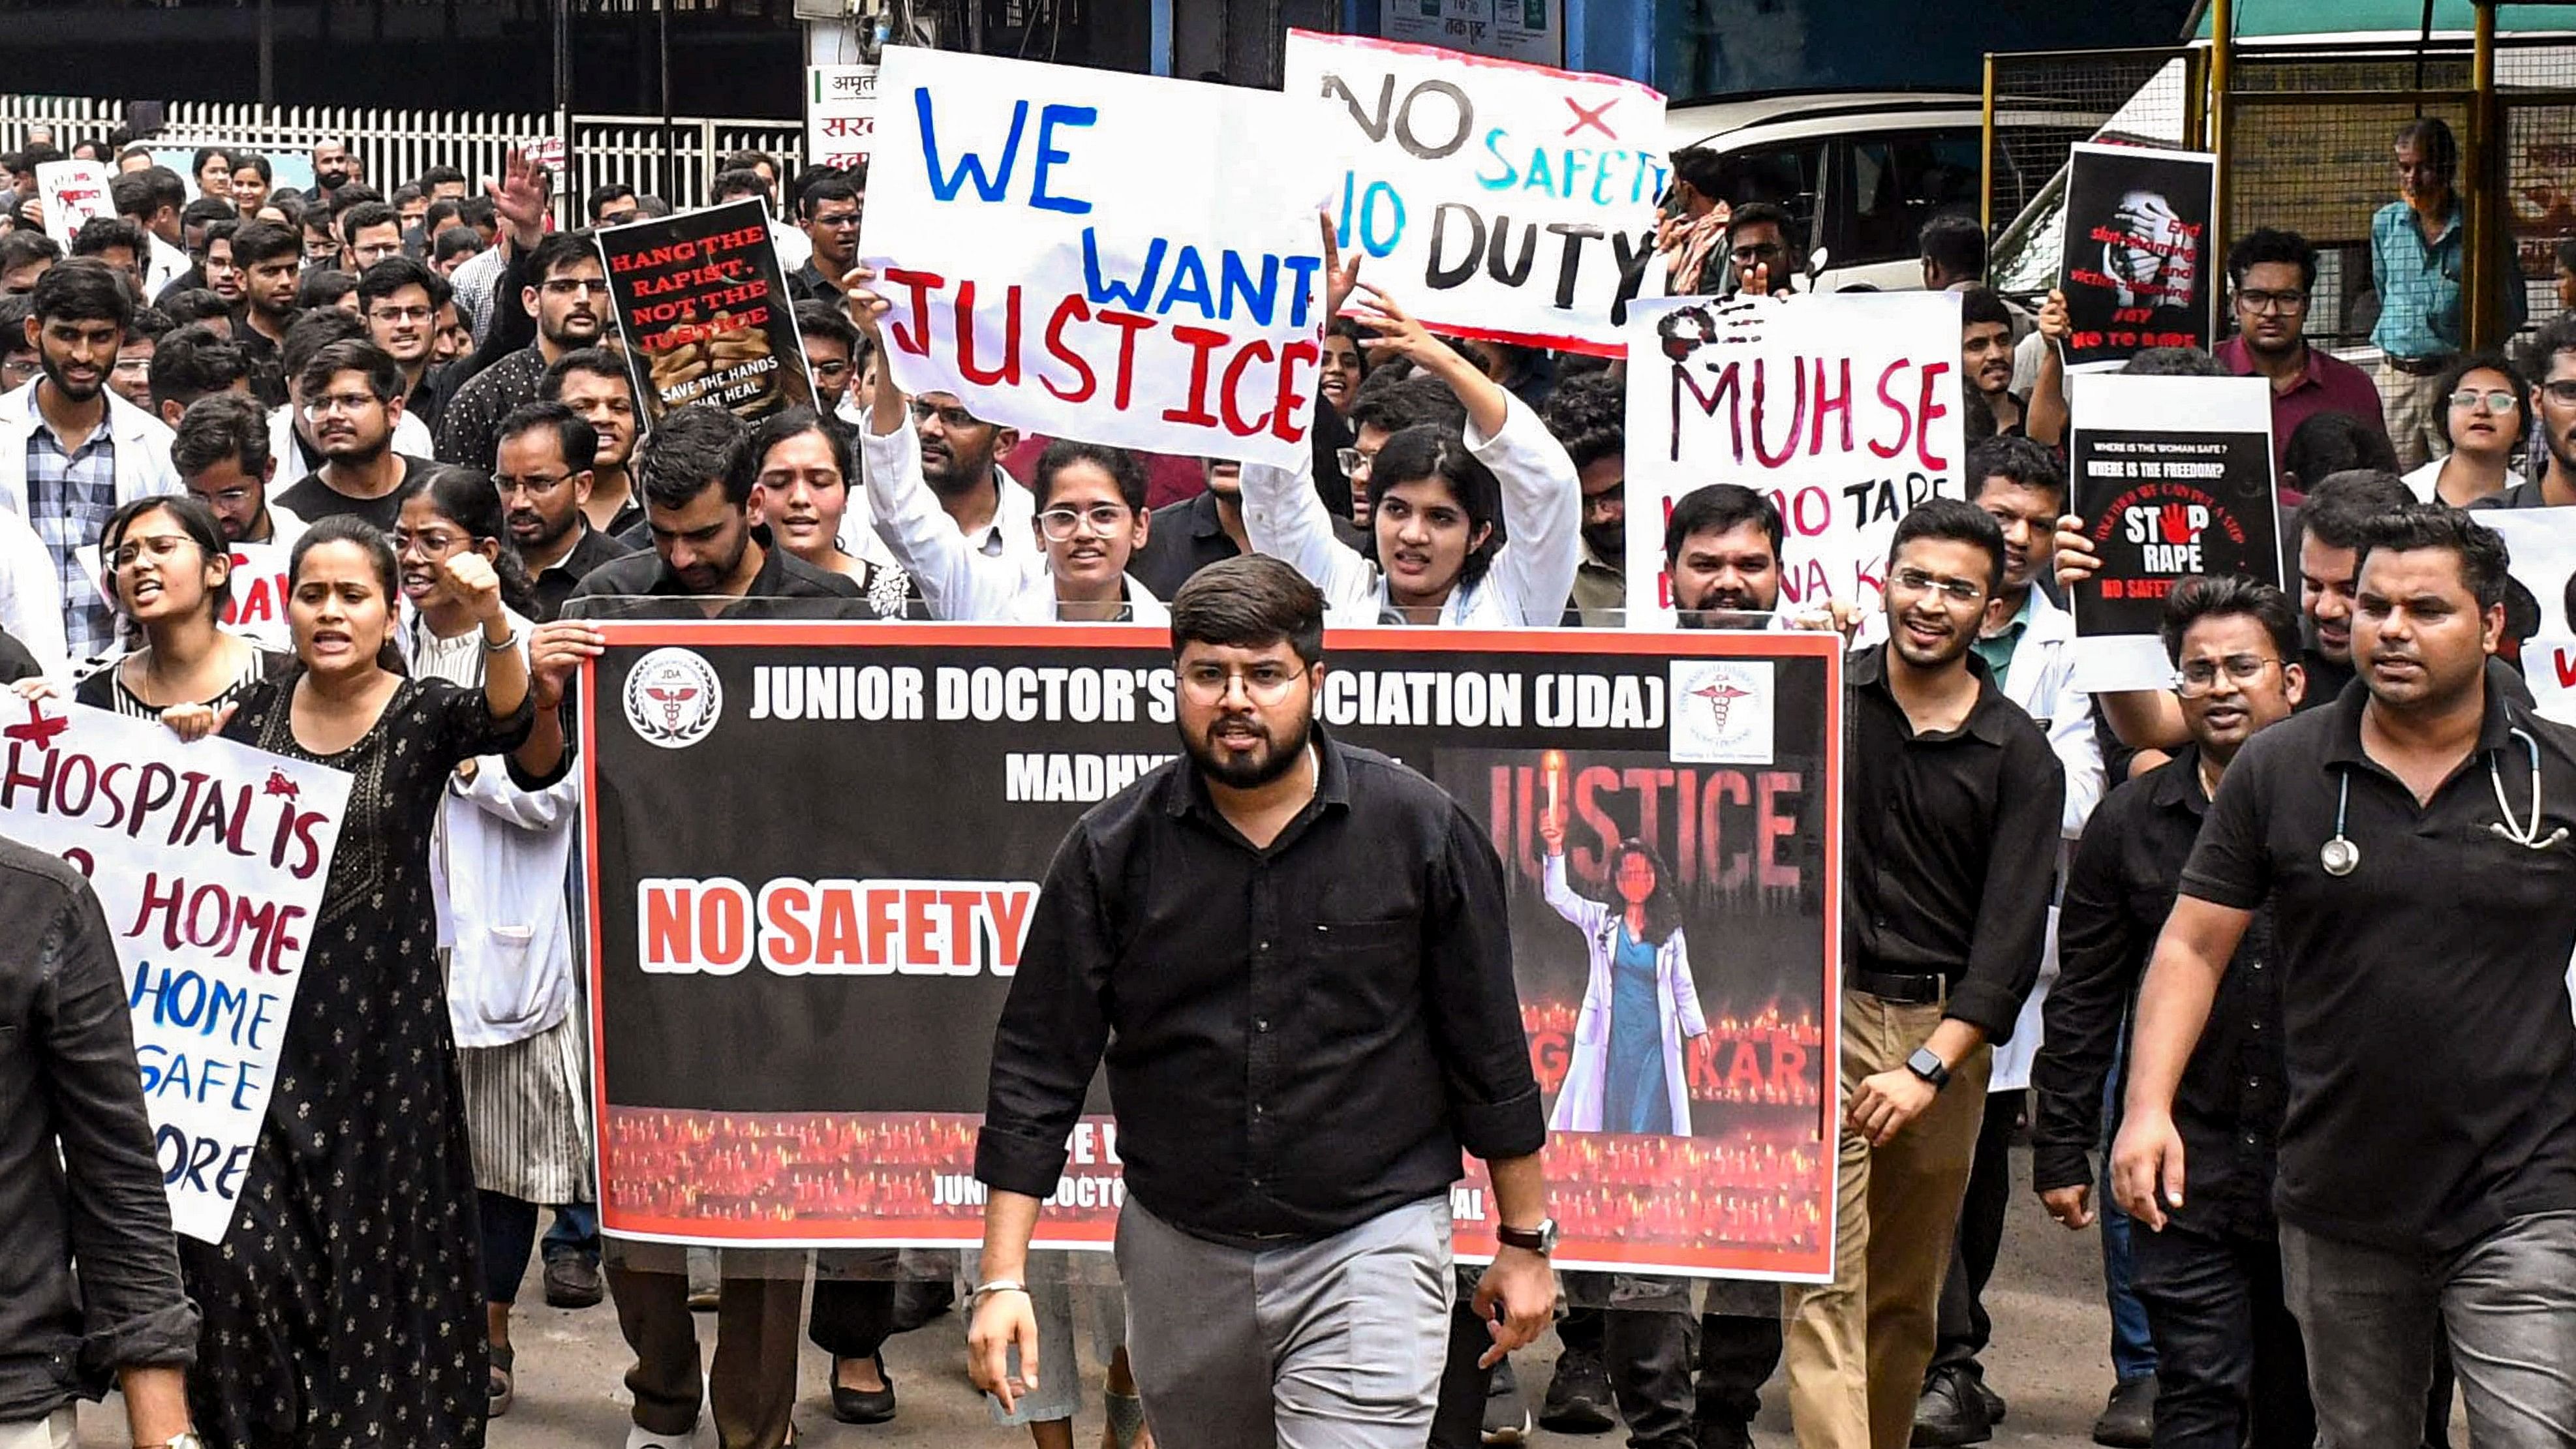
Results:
[1265, 683]
[132, 366]
[17, 372]
[506, 485]
[2562, 391]
[827, 370]
[431, 542]
[2201, 675]
[2498, 401]
[951, 418]
[229, 497]
[340, 402]
[401, 314]
[2257, 301]
[1957, 591]
[838, 223]
[1355, 464]
[576, 286]
[1059, 524]
[157, 547]
[1757, 252]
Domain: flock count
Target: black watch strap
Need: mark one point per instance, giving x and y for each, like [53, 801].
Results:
[1927, 1064]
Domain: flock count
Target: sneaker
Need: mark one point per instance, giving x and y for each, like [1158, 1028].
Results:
[1578, 1398]
[1507, 1419]
[2129, 1420]
[572, 1281]
[639, 1437]
[1951, 1413]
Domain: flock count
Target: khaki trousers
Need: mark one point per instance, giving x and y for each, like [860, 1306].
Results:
[751, 1384]
[2413, 408]
[1857, 1347]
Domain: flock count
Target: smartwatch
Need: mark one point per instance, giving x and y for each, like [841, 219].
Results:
[1927, 1064]
[1540, 1240]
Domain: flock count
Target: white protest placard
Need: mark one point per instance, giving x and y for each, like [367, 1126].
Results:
[1843, 409]
[257, 606]
[209, 861]
[2542, 542]
[1531, 30]
[1495, 200]
[1117, 258]
[840, 115]
[73, 192]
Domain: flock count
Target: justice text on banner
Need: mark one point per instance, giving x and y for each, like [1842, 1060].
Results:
[1497, 200]
[1121, 259]
[704, 312]
[1843, 409]
[868, 946]
[209, 861]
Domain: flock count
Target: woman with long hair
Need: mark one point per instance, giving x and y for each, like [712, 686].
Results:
[343, 1304]
[171, 574]
[1639, 1002]
[803, 493]
[498, 867]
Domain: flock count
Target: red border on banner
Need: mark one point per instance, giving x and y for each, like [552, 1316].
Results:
[1813, 1265]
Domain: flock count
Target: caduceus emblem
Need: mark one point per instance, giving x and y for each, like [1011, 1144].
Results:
[1720, 694]
[671, 699]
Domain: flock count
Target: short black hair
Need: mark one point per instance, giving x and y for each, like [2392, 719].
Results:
[2173, 362]
[1589, 416]
[206, 211]
[1702, 168]
[1954, 243]
[556, 250]
[439, 217]
[1757, 212]
[1983, 304]
[2324, 444]
[2566, 254]
[313, 331]
[2555, 336]
[322, 288]
[1953, 520]
[76, 293]
[2485, 563]
[2215, 596]
[748, 160]
[455, 241]
[2458, 372]
[349, 195]
[737, 182]
[796, 422]
[383, 374]
[828, 188]
[194, 362]
[579, 443]
[596, 361]
[820, 319]
[1122, 467]
[2432, 135]
[256, 162]
[264, 241]
[2340, 506]
[101, 233]
[602, 194]
[2270, 245]
[193, 304]
[150, 324]
[2017, 460]
[363, 215]
[14, 312]
[477, 211]
[407, 193]
[25, 245]
[383, 279]
[1250, 601]
[440, 176]
[1393, 401]
[217, 426]
[1720, 508]
[694, 446]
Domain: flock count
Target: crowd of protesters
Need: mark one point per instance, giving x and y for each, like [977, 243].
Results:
[2327, 1127]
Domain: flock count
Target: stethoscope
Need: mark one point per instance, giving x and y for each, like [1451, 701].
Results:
[2341, 857]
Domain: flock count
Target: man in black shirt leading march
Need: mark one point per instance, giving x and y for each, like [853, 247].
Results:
[2413, 844]
[1296, 957]
[2229, 1366]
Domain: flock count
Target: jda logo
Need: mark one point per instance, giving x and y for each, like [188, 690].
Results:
[673, 698]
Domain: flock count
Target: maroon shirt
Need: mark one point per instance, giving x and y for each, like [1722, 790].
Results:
[2331, 385]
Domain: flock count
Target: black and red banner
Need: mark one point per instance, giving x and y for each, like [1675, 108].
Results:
[813, 849]
[2140, 266]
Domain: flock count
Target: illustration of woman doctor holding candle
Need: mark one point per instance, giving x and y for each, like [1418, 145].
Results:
[1639, 1003]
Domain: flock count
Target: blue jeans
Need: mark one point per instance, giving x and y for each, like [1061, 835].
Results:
[576, 1230]
[2133, 1352]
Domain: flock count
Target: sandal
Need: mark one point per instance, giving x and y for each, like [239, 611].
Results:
[500, 1386]
[1126, 1417]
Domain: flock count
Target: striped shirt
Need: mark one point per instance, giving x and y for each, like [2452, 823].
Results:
[71, 492]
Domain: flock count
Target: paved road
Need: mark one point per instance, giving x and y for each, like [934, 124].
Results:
[2050, 1359]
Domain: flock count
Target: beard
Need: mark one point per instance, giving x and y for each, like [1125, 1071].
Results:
[1608, 541]
[1247, 772]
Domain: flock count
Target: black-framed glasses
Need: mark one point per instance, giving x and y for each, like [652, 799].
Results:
[1756, 252]
[2200, 676]
[951, 417]
[2561, 391]
[2257, 300]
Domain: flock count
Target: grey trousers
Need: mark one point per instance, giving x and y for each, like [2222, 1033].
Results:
[1333, 1344]
[2507, 1303]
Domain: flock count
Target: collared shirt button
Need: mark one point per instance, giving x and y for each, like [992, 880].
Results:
[1261, 1023]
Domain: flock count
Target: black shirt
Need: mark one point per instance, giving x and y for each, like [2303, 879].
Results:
[469, 427]
[2432, 1065]
[555, 582]
[2118, 892]
[16, 662]
[1953, 845]
[313, 500]
[642, 586]
[1188, 536]
[1299, 1038]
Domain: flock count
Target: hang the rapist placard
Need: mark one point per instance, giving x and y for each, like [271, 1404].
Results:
[869, 949]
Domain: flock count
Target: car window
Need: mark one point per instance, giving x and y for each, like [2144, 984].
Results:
[1786, 175]
[1896, 181]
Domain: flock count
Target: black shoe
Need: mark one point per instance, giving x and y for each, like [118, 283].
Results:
[1578, 1398]
[1507, 1419]
[918, 1301]
[1994, 1401]
[863, 1406]
[2129, 1420]
[1722, 1434]
[1951, 1413]
[572, 1281]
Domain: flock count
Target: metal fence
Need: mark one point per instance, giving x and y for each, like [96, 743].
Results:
[677, 161]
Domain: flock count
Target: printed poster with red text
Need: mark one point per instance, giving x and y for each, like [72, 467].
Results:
[814, 849]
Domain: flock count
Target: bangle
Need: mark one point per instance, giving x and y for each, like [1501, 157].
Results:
[999, 1285]
[506, 641]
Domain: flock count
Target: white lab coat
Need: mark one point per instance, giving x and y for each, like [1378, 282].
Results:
[1677, 1013]
[142, 449]
[959, 580]
[501, 863]
[1530, 579]
[31, 595]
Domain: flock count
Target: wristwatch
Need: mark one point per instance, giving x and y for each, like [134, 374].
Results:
[1540, 1240]
[1927, 1064]
[186, 1439]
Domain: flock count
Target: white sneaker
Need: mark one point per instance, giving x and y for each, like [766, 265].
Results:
[639, 1437]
